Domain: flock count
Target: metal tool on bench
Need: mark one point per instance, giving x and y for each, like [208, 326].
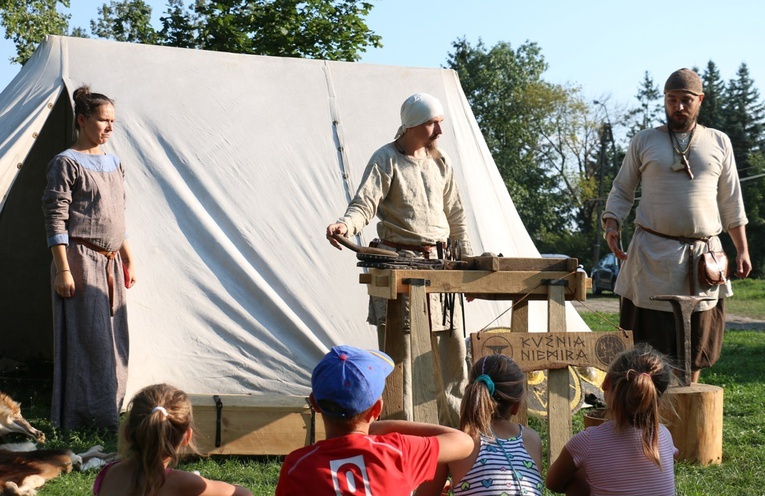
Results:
[379, 258]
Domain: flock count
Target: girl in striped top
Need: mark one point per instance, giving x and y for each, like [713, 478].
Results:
[507, 456]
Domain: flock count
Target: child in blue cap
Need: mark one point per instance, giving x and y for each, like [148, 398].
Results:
[361, 455]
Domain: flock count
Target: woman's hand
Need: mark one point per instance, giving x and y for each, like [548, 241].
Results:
[129, 272]
[128, 267]
[64, 283]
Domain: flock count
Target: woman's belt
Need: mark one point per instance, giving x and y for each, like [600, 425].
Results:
[109, 269]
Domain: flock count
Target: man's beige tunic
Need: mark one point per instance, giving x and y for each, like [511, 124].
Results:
[673, 204]
[416, 200]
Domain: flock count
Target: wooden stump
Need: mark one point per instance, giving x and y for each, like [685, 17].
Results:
[697, 422]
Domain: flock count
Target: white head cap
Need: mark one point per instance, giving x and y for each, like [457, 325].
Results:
[418, 109]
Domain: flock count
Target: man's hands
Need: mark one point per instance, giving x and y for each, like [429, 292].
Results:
[337, 228]
[743, 262]
[612, 237]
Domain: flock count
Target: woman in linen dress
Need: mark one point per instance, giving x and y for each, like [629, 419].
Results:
[84, 207]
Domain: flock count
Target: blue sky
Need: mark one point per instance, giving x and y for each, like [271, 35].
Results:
[602, 46]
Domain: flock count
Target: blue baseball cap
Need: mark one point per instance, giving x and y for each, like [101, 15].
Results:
[348, 380]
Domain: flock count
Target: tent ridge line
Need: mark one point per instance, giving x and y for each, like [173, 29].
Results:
[337, 133]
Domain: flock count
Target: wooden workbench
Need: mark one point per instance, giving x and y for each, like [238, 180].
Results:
[515, 279]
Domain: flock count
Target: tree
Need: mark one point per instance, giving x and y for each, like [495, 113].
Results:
[650, 110]
[542, 138]
[744, 118]
[126, 20]
[503, 87]
[745, 125]
[326, 29]
[179, 27]
[26, 23]
[712, 113]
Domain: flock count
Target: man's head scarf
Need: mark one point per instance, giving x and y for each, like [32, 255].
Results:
[418, 109]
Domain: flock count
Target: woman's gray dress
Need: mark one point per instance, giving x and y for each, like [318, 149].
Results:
[84, 207]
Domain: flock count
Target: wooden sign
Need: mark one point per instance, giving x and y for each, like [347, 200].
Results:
[552, 350]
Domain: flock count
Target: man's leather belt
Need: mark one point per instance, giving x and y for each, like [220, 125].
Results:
[109, 263]
[682, 239]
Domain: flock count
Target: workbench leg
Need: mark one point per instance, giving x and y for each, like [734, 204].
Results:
[520, 323]
[423, 369]
[520, 316]
[558, 402]
[398, 347]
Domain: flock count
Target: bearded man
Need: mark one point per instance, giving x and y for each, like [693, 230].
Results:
[409, 184]
[690, 193]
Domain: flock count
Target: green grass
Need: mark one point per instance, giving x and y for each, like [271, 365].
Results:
[740, 371]
[601, 321]
[748, 298]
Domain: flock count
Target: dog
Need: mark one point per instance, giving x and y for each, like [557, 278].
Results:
[23, 468]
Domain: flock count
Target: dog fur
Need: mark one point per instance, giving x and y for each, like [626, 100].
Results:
[23, 468]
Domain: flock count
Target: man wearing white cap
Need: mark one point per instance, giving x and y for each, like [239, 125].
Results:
[409, 184]
[690, 193]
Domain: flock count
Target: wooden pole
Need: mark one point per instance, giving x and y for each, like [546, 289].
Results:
[558, 409]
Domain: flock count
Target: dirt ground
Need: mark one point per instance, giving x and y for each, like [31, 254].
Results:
[610, 304]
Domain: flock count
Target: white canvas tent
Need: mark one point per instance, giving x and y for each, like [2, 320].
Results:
[235, 165]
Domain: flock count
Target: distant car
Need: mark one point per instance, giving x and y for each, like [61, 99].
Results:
[604, 274]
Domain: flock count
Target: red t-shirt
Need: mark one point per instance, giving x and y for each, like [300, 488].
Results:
[360, 465]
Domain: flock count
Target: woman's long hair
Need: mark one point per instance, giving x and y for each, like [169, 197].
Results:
[158, 418]
[637, 379]
[496, 385]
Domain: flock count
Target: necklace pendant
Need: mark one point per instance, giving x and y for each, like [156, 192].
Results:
[678, 165]
[686, 166]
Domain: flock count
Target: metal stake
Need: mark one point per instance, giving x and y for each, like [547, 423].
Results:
[683, 307]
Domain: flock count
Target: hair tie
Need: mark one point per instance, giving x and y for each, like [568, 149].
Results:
[160, 409]
[486, 380]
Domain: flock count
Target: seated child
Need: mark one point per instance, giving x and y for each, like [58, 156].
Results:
[507, 456]
[363, 456]
[631, 453]
[158, 425]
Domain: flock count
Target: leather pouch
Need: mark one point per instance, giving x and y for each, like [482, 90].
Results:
[713, 267]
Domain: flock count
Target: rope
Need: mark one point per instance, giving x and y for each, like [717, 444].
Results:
[570, 291]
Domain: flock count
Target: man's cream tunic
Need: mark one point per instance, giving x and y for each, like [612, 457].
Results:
[671, 203]
[416, 200]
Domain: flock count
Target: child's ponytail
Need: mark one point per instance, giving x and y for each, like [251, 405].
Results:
[496, 385]
[637, 379]
[159, 417]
